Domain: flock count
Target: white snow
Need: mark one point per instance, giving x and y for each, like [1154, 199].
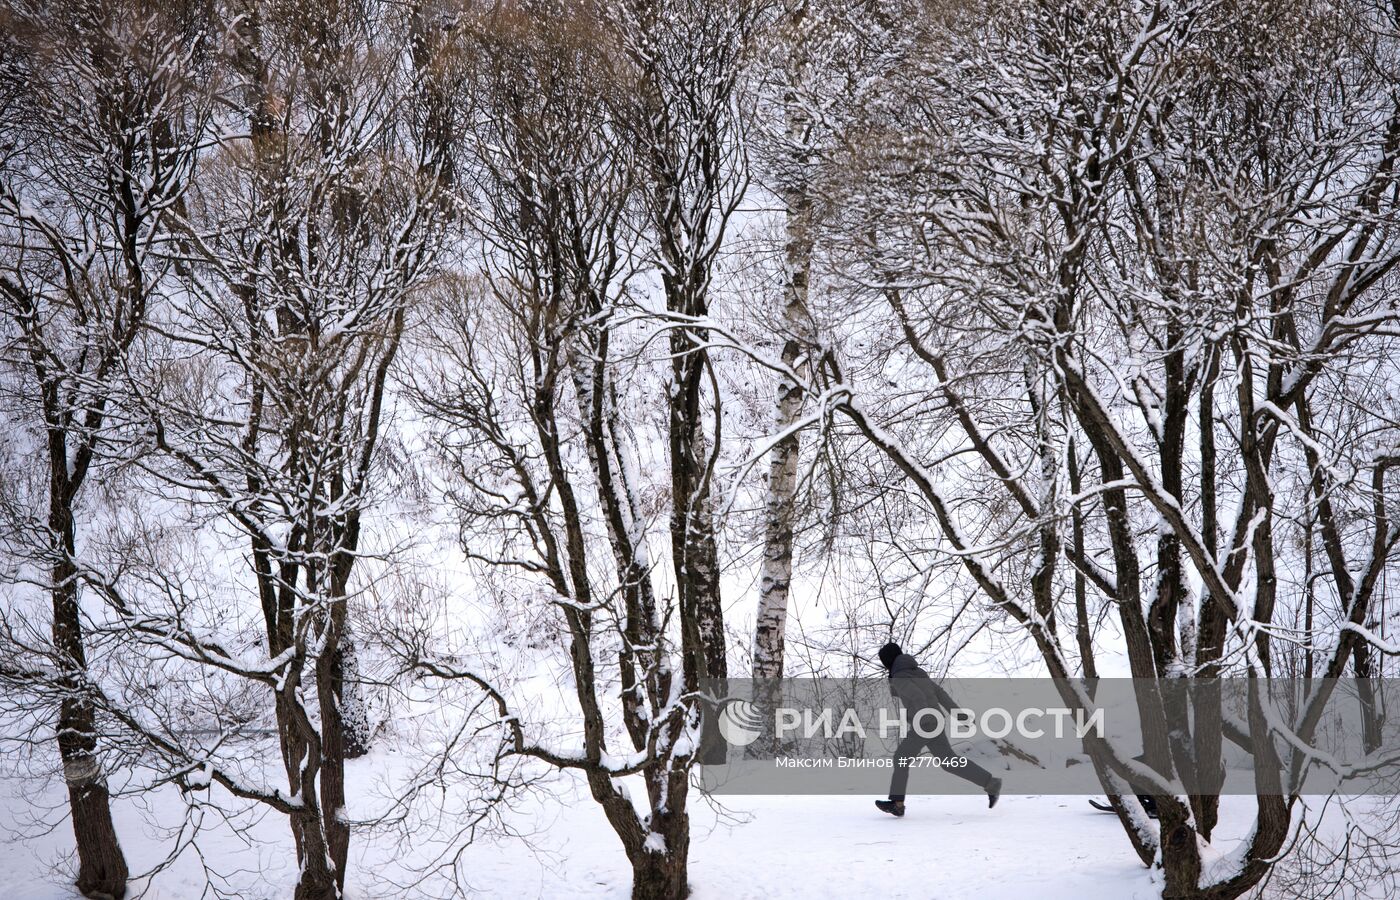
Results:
[951, 848]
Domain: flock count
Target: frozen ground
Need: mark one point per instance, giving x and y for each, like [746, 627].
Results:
[946, 848]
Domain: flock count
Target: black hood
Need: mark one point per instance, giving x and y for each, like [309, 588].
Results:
[903, 663]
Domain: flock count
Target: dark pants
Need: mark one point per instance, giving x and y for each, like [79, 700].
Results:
[912, 745]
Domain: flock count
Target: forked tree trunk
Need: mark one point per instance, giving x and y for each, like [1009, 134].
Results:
[660, 869]
[320, 879]
[659, 876]
[303, 754]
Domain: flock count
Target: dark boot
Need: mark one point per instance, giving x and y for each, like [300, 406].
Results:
[993, 792]
[893, 807]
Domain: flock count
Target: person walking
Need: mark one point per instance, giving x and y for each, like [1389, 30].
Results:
[918, 692]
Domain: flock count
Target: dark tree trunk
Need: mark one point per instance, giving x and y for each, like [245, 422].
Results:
[334, 746]
[319, 879]
[693, 549]
[660, 873]
[102, 870]
[322, 878]
[1211, 625]
[349, 697]
[659, 876]
[694, 552]
[304, 757]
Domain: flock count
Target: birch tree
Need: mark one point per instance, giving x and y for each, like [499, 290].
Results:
[792, 186]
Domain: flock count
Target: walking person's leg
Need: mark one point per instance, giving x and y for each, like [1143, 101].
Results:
[899, 782]
[909, 747]
[972, 772]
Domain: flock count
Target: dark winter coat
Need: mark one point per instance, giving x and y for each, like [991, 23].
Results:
[915, 689]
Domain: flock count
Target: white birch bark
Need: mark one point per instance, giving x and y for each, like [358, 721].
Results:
[775, 579]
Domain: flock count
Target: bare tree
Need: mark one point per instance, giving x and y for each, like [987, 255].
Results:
[529, 390]
[1093, 304]
[99, 137]
[1091, 223]
[262, 392]
[687, 58]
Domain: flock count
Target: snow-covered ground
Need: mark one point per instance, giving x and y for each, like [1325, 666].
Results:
[773, 847]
